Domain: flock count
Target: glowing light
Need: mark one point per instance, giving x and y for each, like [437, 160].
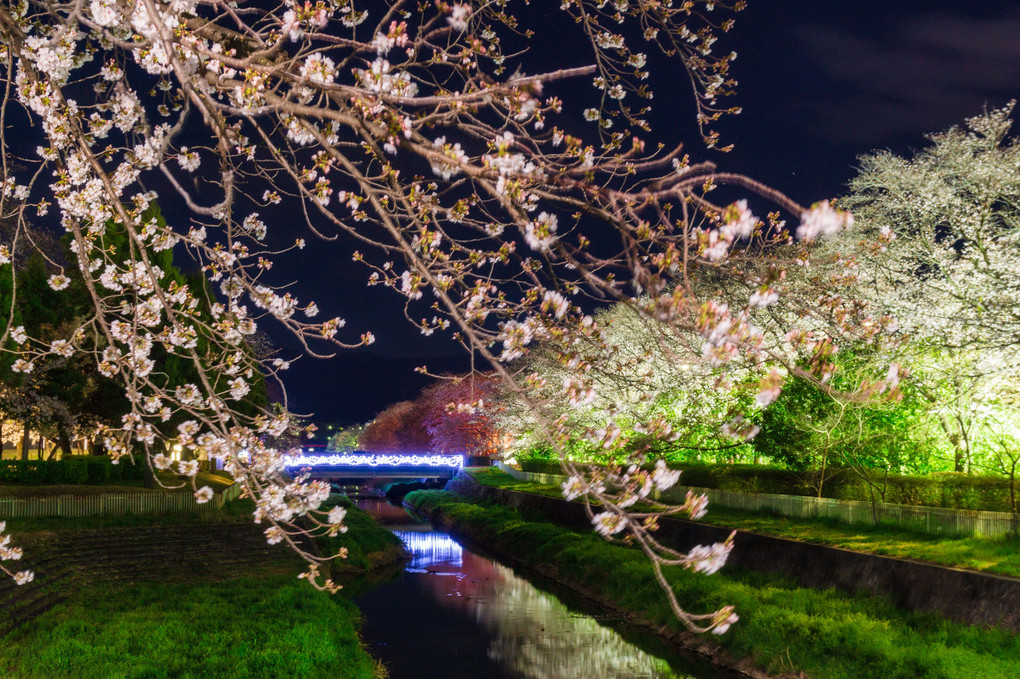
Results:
[428, 549]
[373, 460]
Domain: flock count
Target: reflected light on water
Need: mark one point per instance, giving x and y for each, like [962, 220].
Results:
[429, 549]
[384, 511]
[540, 638]
[531, 632]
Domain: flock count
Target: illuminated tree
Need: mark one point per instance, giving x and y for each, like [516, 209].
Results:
[824, 436]
[640, 376]
[347, 439]
[945, 224]
[460, 413]
[948, 219]
[429, 133]
[453, 416]
[397, 429]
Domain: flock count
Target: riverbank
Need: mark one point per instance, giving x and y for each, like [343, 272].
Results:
[461, 612]
[971, 598]
[784, 629]
[243, 628]
[168, 599]
[1000, 555]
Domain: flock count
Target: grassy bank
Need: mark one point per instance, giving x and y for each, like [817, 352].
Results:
[783, 628]
[943, 489]
[993, 555]
[242, 628]
[252, 620]
[368, 544]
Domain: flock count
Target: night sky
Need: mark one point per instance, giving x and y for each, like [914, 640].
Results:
[821, 82]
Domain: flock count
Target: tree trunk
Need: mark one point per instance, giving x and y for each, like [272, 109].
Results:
[25, 442]
[1012, 485]
[966, 444]
[64, 441]
[821, 478]
[148, 475]
[959, 455]
[874, 505]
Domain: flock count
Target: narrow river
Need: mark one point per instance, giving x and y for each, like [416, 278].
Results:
[455, 613]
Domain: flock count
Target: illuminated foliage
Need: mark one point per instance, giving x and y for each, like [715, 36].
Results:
[397, 429]
[944, 261]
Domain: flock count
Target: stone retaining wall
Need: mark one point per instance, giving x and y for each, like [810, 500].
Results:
[966, 596]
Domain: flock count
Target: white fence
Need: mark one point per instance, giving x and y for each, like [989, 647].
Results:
[110, 504]
[929, 520]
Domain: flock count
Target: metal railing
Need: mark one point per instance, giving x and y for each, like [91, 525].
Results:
[111, 504]
[928, 520]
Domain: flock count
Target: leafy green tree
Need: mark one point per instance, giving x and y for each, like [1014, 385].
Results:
[812, 429]
[346, 439]
[62, 396]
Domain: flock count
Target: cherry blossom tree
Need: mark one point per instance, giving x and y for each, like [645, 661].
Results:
[397, 429]
[948, 218]
[942, 258]
[460, 415]
[432, 135]
[456, 415]
[641, 375]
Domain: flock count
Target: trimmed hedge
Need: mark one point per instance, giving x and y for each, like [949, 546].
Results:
[950, 490]
[91, 470]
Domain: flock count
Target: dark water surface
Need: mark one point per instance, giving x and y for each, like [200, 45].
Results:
[454, 613]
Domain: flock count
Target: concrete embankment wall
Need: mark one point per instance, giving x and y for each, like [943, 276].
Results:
[966, 596]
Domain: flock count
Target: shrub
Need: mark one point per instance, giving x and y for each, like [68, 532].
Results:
[99, 471]
[91, 470]
[951, 490]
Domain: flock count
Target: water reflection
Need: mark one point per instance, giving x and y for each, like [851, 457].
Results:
[533, 633]
[486, 621]
[428, 548]
[384, 511]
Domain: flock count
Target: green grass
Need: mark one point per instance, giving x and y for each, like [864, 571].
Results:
[245, 628]
[827, 634]
[992, 555]
[368, 544]
[267, 626]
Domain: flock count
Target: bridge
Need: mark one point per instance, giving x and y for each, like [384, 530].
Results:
[336, 466]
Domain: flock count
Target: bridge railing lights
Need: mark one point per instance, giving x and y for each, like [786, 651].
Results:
[374, 460]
